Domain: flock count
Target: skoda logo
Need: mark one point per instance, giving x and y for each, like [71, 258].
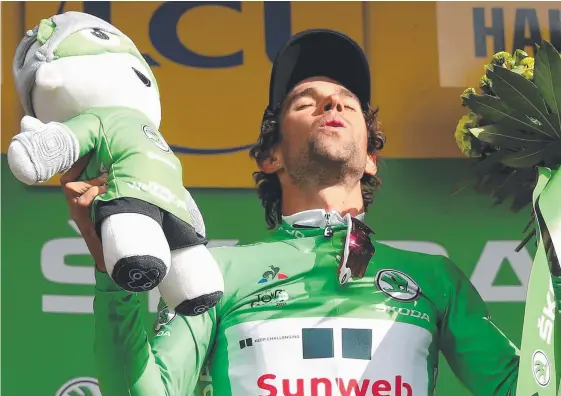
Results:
[397, 285]
[82, 386]
[156, 137]
[541, 368]
[165, 315]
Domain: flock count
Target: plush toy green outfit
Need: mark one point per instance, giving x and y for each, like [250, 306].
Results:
[85, 88]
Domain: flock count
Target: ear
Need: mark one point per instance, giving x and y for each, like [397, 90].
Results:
[273, 163]
[371, 167]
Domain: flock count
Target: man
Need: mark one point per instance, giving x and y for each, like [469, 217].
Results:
[292, 321]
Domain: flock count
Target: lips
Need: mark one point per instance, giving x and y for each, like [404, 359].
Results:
[334, 123]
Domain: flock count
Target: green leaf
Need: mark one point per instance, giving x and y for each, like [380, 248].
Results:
[517, 188]
[507, 137]
[547, 77]
[491, 163]
[494, 110]
[522, 199]
[522, 96]
[524, 159]
[497, 179]
[507, 188]
[552, 155]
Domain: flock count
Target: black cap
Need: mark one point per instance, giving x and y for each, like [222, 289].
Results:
[320, 52]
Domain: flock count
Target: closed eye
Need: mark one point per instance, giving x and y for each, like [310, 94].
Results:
[303, 106]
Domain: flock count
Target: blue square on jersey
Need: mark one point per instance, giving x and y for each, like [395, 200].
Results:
[317, 343]
[357, 343]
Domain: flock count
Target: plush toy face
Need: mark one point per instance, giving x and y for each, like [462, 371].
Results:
[90, 67]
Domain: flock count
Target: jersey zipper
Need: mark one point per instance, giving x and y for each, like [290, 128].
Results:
[328, 232]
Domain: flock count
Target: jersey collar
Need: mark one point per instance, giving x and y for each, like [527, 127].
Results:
[311, 223]
[316, 218]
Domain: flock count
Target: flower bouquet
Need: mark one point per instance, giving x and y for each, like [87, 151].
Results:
[512, 131]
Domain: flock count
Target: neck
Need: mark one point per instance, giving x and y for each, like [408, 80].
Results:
[339, 198]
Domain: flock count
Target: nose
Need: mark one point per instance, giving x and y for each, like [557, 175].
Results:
[333, 102]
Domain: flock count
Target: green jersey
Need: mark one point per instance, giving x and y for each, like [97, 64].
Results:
[287, 327]
[139, 162]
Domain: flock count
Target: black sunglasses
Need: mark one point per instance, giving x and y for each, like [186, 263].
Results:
[357, 252]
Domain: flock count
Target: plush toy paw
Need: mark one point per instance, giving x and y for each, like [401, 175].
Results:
[40, 151]
[194, 283]
[135, 250]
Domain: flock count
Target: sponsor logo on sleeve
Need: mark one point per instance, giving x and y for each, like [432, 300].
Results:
[397, 285]
[541, 368]
[165, 316]
[272, 274]
[81, 386]
[156, 137]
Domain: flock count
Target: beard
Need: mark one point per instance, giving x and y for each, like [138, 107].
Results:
[324, 162]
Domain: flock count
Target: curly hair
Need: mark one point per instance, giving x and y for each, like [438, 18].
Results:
[268, 185]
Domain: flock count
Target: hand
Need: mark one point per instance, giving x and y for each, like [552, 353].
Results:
[32, 156]
[79, 196]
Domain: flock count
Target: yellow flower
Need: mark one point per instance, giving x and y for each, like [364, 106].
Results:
[528, 74]
[525, 68]
[518, 56]
[528, 62]
[503, 59]
[468, 92]
[485, 85]
[464, 139]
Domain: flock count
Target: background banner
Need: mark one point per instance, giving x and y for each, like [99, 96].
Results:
[47, 274]
[471, 32]
[213, 59]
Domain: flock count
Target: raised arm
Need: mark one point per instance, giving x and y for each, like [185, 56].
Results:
[128, 363]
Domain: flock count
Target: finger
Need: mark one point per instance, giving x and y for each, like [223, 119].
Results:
[77, 188]
[87, 198]
[100, 180]
[73, 173]
[80, 187]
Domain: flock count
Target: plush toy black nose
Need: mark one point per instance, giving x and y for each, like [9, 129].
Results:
[145, 80]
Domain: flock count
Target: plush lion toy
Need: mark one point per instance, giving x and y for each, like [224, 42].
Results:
[85, 87]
